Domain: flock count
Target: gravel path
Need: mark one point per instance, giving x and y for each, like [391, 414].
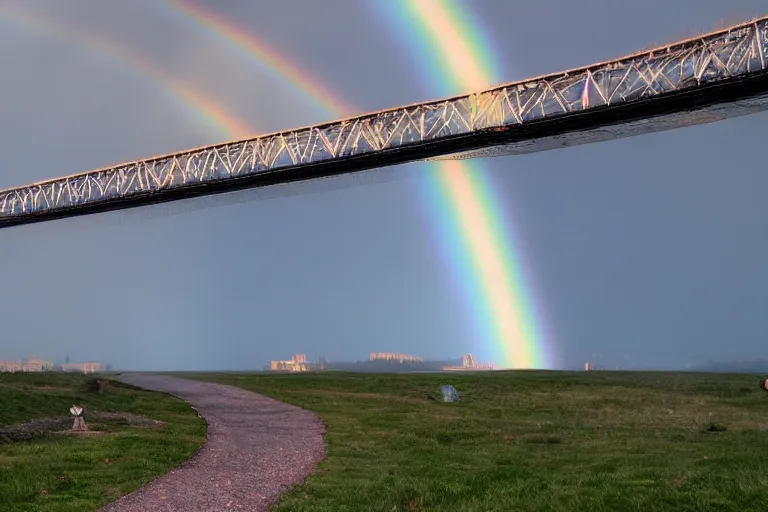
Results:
[256, 449]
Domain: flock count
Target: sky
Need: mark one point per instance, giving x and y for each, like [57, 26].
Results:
[647, 252]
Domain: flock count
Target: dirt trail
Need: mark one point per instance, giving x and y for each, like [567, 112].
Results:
[257, 448]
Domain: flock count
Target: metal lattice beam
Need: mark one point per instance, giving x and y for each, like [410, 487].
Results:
[700, 80]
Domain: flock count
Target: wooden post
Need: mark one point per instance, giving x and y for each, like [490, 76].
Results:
[79, 425]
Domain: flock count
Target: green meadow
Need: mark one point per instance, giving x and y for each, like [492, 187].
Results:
[530, 441]
[523, 441]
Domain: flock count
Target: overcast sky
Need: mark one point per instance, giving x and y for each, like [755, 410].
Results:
[646, 252]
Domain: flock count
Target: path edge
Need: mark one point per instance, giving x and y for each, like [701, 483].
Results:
[274, 503]
[116, 378]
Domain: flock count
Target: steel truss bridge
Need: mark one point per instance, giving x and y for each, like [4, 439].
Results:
[701, 80]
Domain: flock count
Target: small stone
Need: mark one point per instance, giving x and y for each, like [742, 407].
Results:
[449, 393]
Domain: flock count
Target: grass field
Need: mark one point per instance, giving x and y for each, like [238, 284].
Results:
[56, 472]
[531, 441]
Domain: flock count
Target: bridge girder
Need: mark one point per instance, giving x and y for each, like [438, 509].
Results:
[705, 79]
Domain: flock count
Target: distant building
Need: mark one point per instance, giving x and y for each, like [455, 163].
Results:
[10, 366]
[81, 367]
[33, 364]
[468, 362]
[298, 363]
[392, 356]
[36, 364]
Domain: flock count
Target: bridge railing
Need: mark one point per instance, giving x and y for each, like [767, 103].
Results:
[505, 118]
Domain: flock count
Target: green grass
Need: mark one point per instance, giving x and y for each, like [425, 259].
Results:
[57, 472]
[531, 441]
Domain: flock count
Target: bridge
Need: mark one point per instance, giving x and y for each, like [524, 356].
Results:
[701, 80]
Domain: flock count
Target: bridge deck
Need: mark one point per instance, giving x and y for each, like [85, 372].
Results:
[700, 80]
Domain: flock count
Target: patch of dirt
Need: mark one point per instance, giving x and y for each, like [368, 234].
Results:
[101, 385]
[79, 433]
[133, 420]
[63, 424]
[24, 431]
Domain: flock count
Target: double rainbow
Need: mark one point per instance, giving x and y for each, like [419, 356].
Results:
[453, 54]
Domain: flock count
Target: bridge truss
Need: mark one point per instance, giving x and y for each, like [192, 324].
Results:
[701, 80]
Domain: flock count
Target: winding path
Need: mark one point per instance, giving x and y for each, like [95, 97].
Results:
[256, 449]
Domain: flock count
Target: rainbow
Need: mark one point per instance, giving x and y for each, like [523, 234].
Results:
[202, 106]
[466, 213]
[262, 54]
[453, 55]
[465, 210]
